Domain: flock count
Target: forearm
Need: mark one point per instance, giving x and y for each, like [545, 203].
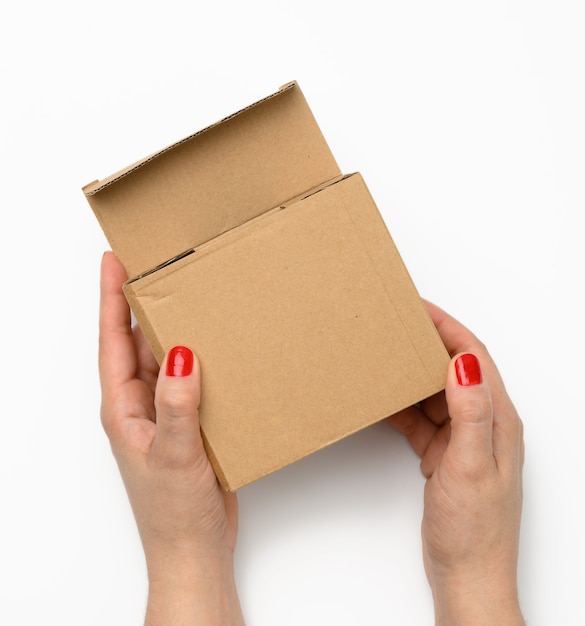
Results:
[202, 597]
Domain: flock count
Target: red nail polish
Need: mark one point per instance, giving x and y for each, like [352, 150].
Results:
[179, 361]
[468, 370]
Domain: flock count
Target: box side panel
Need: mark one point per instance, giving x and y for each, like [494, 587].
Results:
[307, 326]
[214, 181]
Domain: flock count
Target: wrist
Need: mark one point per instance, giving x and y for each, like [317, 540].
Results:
[461, 600]
[201, 591]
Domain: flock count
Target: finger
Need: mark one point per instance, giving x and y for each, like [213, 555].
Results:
[428, 440]
[178, 392]
[471, 410]
[455, 336]
[435, 408]
[117, 355]
[419, 430]
[435, 450]
[147, 369]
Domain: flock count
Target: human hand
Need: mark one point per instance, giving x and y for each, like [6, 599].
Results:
[470, 440]
[187, 523]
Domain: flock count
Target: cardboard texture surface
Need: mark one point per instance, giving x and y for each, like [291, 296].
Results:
[246, 243]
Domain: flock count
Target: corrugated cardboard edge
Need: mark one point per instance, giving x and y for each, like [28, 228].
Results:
[98, 185]
[144, 324]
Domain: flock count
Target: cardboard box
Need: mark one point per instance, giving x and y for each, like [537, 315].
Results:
[245, 242]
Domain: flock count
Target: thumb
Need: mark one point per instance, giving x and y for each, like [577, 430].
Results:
[470, 408]
[177, 397]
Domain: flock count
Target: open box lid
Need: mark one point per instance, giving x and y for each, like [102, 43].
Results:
[212, 181]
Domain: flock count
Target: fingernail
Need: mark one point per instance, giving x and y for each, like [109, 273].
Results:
[179, 361]
[468, 370]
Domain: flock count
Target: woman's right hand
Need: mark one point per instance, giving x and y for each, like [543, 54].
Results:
[470, 440]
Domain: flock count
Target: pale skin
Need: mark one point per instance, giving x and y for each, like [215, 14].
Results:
[469, 439]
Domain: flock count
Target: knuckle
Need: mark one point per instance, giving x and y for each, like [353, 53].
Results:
[177, 402]
[475, 408]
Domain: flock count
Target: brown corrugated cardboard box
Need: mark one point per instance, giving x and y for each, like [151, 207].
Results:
[245, 242]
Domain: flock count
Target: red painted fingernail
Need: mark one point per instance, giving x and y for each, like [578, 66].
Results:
[179, 361]
[468, 370]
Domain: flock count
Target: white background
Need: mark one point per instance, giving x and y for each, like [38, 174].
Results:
[467, 122]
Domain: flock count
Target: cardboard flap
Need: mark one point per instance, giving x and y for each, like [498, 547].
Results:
[212, 181]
